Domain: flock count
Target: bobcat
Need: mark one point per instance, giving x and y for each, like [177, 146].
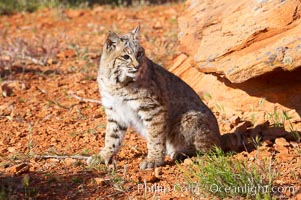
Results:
[138, 93]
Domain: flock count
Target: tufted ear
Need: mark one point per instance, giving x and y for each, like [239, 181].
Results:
[136, 32]
[111, 41]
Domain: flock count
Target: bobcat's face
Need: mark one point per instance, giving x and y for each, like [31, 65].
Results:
[124, 53]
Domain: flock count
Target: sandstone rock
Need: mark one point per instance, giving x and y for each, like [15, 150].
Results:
[284, 157]
[69, 161]
[101, 181]
[225, 127]
[6, 109]
[158, 25]
[19, 169]
[147, 176]
[244, 39]
[264, 154]
[74, 13]
[281, 142]
[235, 120]
[281, 149]
[188, 161]
[234, 50]
[66, 54]
[178, 61]
[7, 87]
[158, 172]
[11, 149]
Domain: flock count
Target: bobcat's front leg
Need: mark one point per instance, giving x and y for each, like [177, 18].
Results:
[156, 137]
[115, 132]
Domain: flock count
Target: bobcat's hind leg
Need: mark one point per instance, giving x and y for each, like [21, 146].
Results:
[193, 132]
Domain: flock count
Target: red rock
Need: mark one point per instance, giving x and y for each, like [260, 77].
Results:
[281, 142]
[235, 120]
[158, 172]
[11, 149]
[147, 176]
[19, 169]
[225, 127]
[223, 39]
[74, 13]
[229, 44]
[188, 161]
[158, 25]
[284, 156]
[101, 181]
[281, 148]
[51, 61]
[69, 161]
[178, 61]
[264, 154]
[66, 54]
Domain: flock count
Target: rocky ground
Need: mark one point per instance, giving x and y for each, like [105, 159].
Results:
[48, 59]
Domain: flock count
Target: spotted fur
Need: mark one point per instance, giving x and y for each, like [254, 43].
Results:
[138, 93]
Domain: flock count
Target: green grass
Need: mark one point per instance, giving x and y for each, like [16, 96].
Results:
[223, 176]
[278, 118]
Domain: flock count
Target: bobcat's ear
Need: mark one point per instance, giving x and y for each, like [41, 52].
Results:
[136, 32]
[111, 41]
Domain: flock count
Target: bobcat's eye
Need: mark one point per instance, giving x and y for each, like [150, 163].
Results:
[126, 57]
[139, 54]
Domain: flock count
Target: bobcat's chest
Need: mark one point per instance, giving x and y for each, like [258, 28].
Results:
[124, 112]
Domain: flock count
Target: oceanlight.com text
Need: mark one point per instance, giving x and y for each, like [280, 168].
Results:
[251, 189]
[195, 188]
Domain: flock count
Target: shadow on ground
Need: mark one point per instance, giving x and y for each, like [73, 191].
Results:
[244, 136]
[35, 185]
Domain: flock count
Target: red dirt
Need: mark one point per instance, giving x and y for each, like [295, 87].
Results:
[44, 119]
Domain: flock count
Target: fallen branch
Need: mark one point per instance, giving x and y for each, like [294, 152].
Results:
[32, 60]
[78, 157]
[83, 99]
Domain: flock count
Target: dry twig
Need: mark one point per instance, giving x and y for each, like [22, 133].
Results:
[78, 157]
[33, 60]
[83, 99]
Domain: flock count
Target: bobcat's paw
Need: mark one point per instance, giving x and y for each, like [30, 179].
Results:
[151, 163]
[95, 159]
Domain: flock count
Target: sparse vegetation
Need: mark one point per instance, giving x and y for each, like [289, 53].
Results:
[256, 141]
[18, 53]
[222, 175]
[50, 58]
[278, 118]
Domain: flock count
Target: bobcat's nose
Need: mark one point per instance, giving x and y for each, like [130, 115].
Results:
[134, 68]
[135, 63]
